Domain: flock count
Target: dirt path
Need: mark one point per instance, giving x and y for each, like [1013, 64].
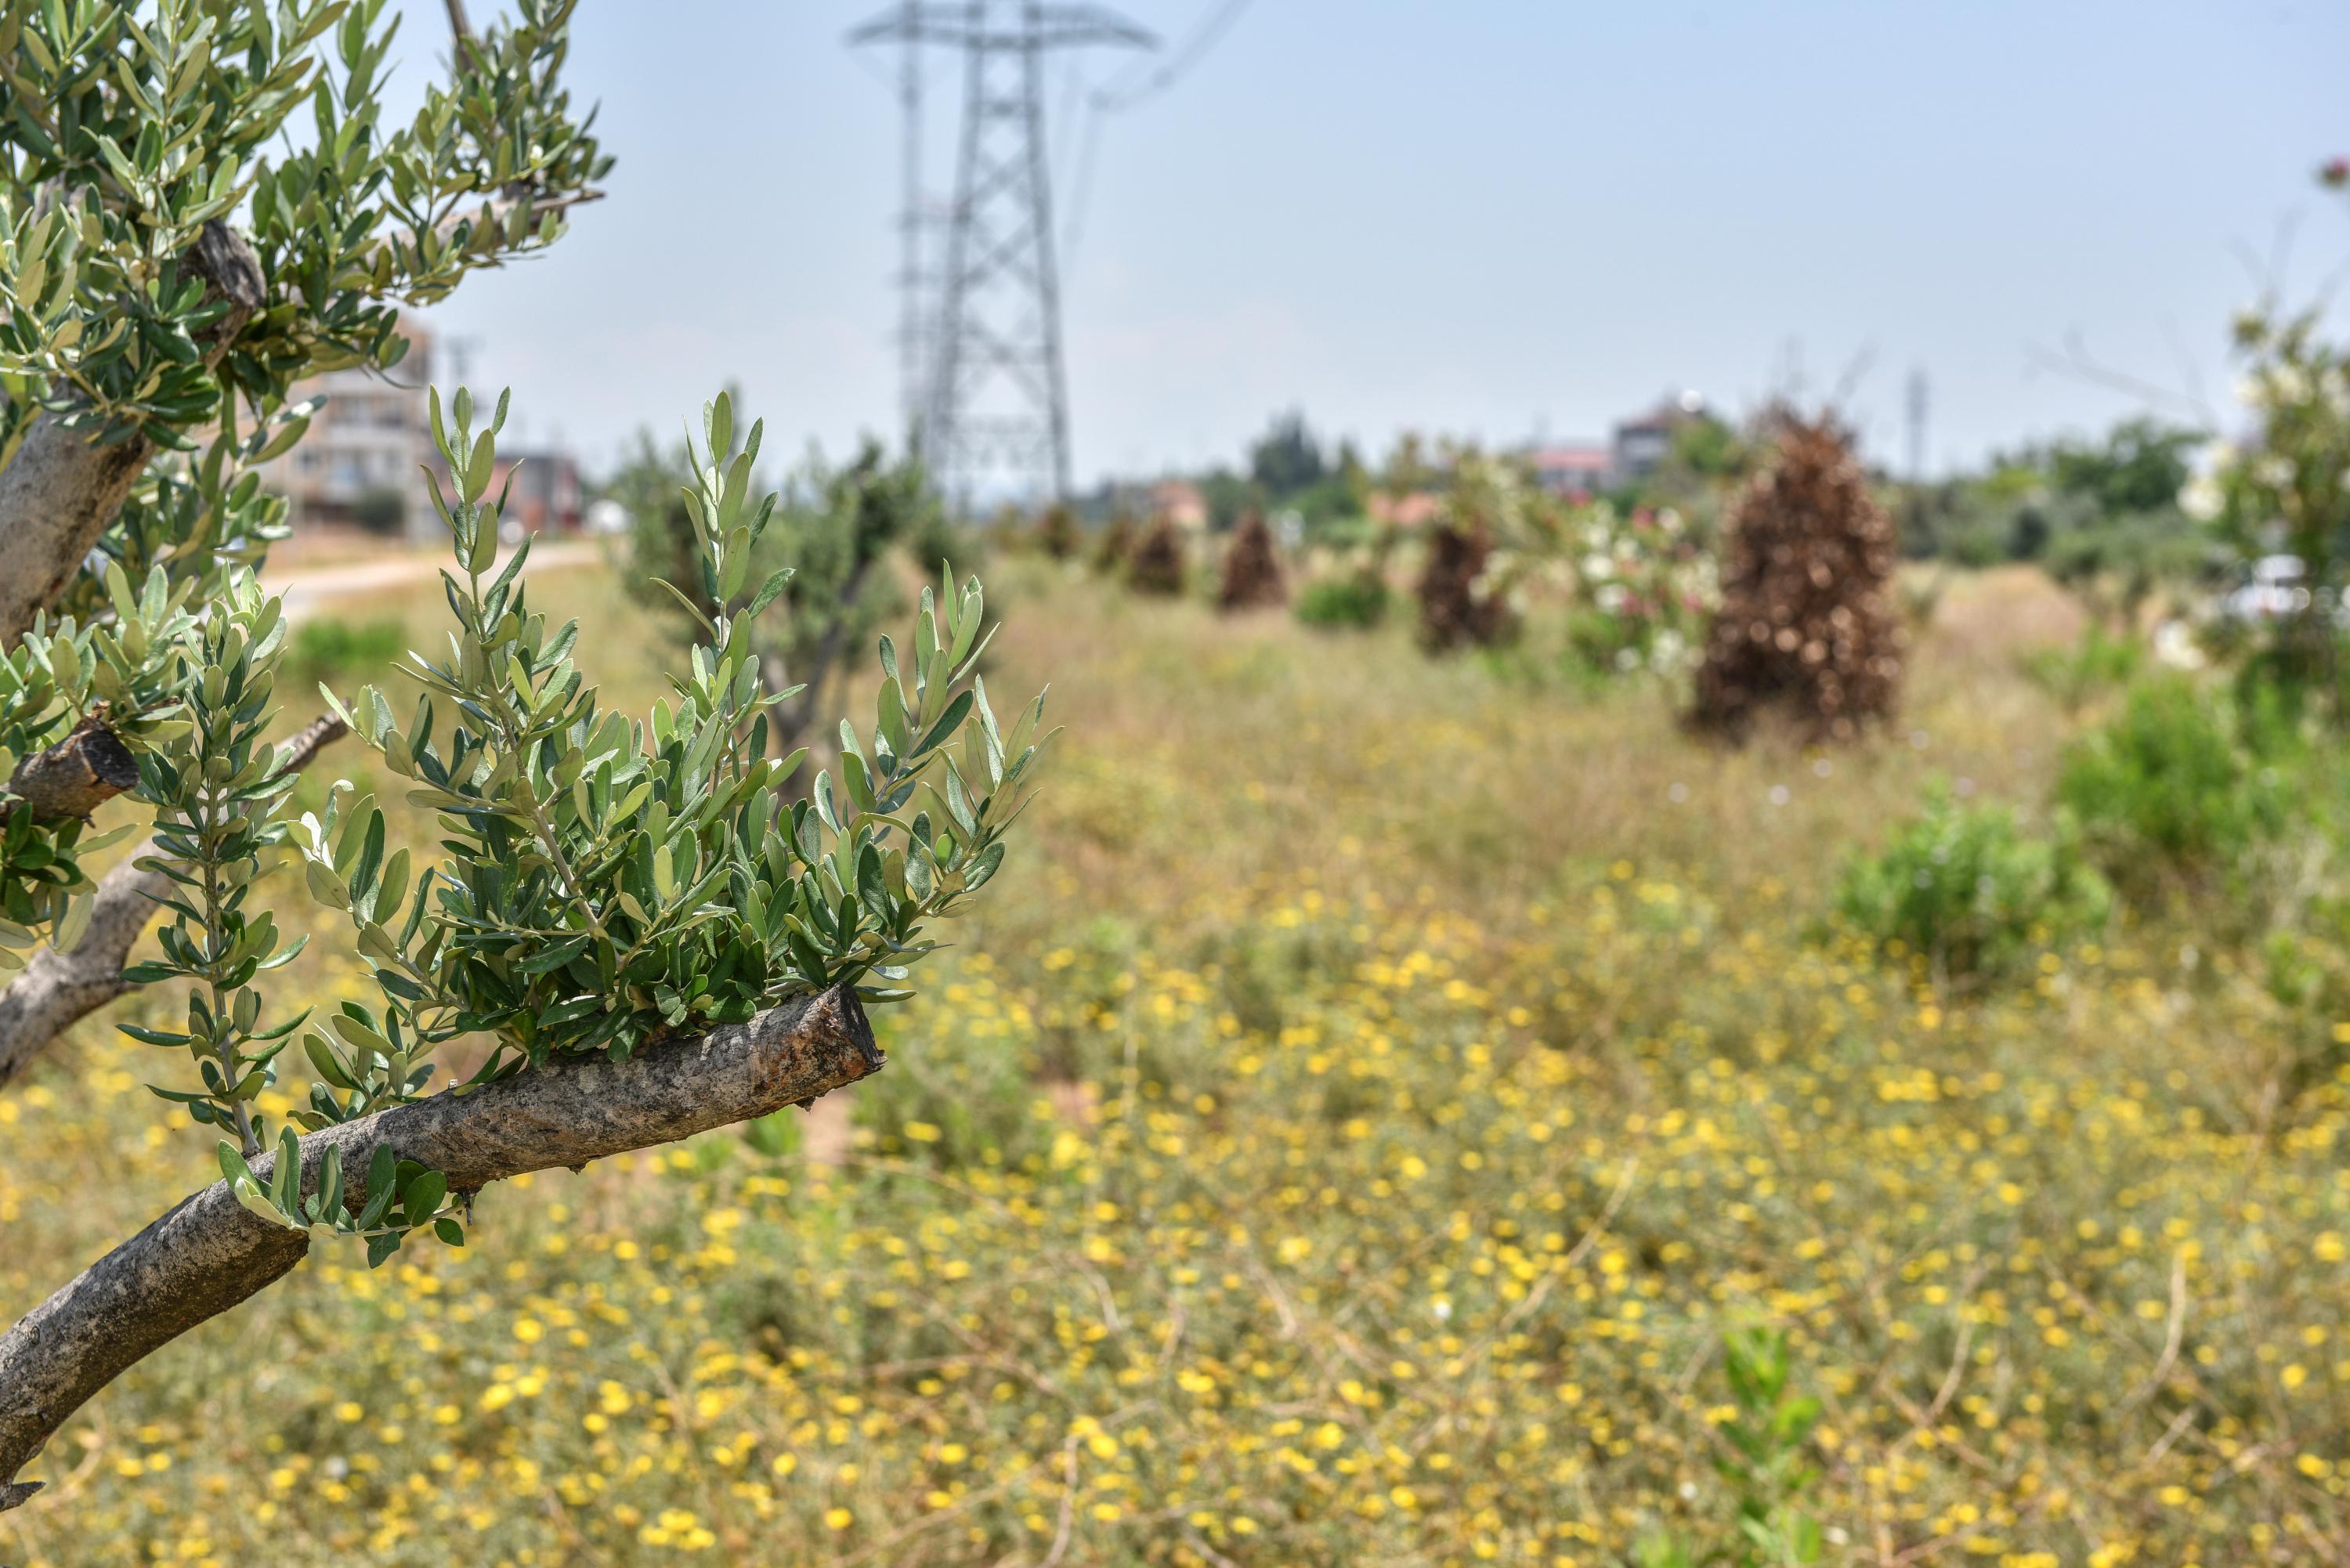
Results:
[308, 591]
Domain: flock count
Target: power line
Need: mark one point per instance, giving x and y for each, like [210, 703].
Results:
[1073, 85]
[1205, 36]
[1141, 84]
[1081, 187]
[879, 72]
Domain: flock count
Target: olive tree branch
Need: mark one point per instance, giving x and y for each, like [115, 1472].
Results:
[58, 989]
[210, 1252]
[73, 778]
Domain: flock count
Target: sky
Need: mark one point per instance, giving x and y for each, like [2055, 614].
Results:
[1496, 219]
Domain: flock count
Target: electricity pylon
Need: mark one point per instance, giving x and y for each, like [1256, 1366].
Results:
[993, 398]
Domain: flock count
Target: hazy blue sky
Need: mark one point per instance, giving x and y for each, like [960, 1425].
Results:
[1490, 217]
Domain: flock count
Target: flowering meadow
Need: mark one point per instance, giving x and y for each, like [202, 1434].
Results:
[1347, 1140]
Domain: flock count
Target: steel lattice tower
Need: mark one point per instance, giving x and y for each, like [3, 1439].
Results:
[993, 397]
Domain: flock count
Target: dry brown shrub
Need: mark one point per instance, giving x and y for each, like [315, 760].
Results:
[1808, 622]
[1252, 577]
[1157, 564]
[1456, 607]
[1056, 532]
[1117, 543]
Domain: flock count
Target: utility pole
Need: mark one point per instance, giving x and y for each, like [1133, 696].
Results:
[459, 350]
[993, 391]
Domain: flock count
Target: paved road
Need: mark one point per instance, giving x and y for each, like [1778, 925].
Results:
[307, 590]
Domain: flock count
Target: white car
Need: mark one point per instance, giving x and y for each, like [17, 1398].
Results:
[2276, 590]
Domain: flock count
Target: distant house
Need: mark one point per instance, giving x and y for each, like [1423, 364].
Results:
[364, 463]
[1645, 440]
[1410, 511]
[361, 464]
[1181, 499]
[547, 496]
[1572, 470]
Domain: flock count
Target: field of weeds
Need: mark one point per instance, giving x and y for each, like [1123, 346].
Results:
[1344, 1135]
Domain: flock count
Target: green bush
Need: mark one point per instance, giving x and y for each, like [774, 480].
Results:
[1766, 1461]
[1351, 601]
[2099, 662]
[380, 509]
[971, 1106]
[2307, 675]
[2306, 971]
[1978, 544]
[1974, 892]
[2175, 789]
[332, 650]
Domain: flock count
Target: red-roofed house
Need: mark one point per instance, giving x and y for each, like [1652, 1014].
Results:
[1572, 470]
[1415, 510]
[1180, 500]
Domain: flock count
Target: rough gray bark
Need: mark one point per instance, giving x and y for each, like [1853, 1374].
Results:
[231, 272]
[58, 989]
[62, 488]
[56, 495]
[210, 1252]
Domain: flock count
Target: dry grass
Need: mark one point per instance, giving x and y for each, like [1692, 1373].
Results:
[1369, 762]
[1340, 1137]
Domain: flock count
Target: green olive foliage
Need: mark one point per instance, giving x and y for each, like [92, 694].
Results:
[138, 140]
[130, 664]
[837, 527]
[608, 882]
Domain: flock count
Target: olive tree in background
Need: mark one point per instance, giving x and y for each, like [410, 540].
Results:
[837, 528]
[2287, 490]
